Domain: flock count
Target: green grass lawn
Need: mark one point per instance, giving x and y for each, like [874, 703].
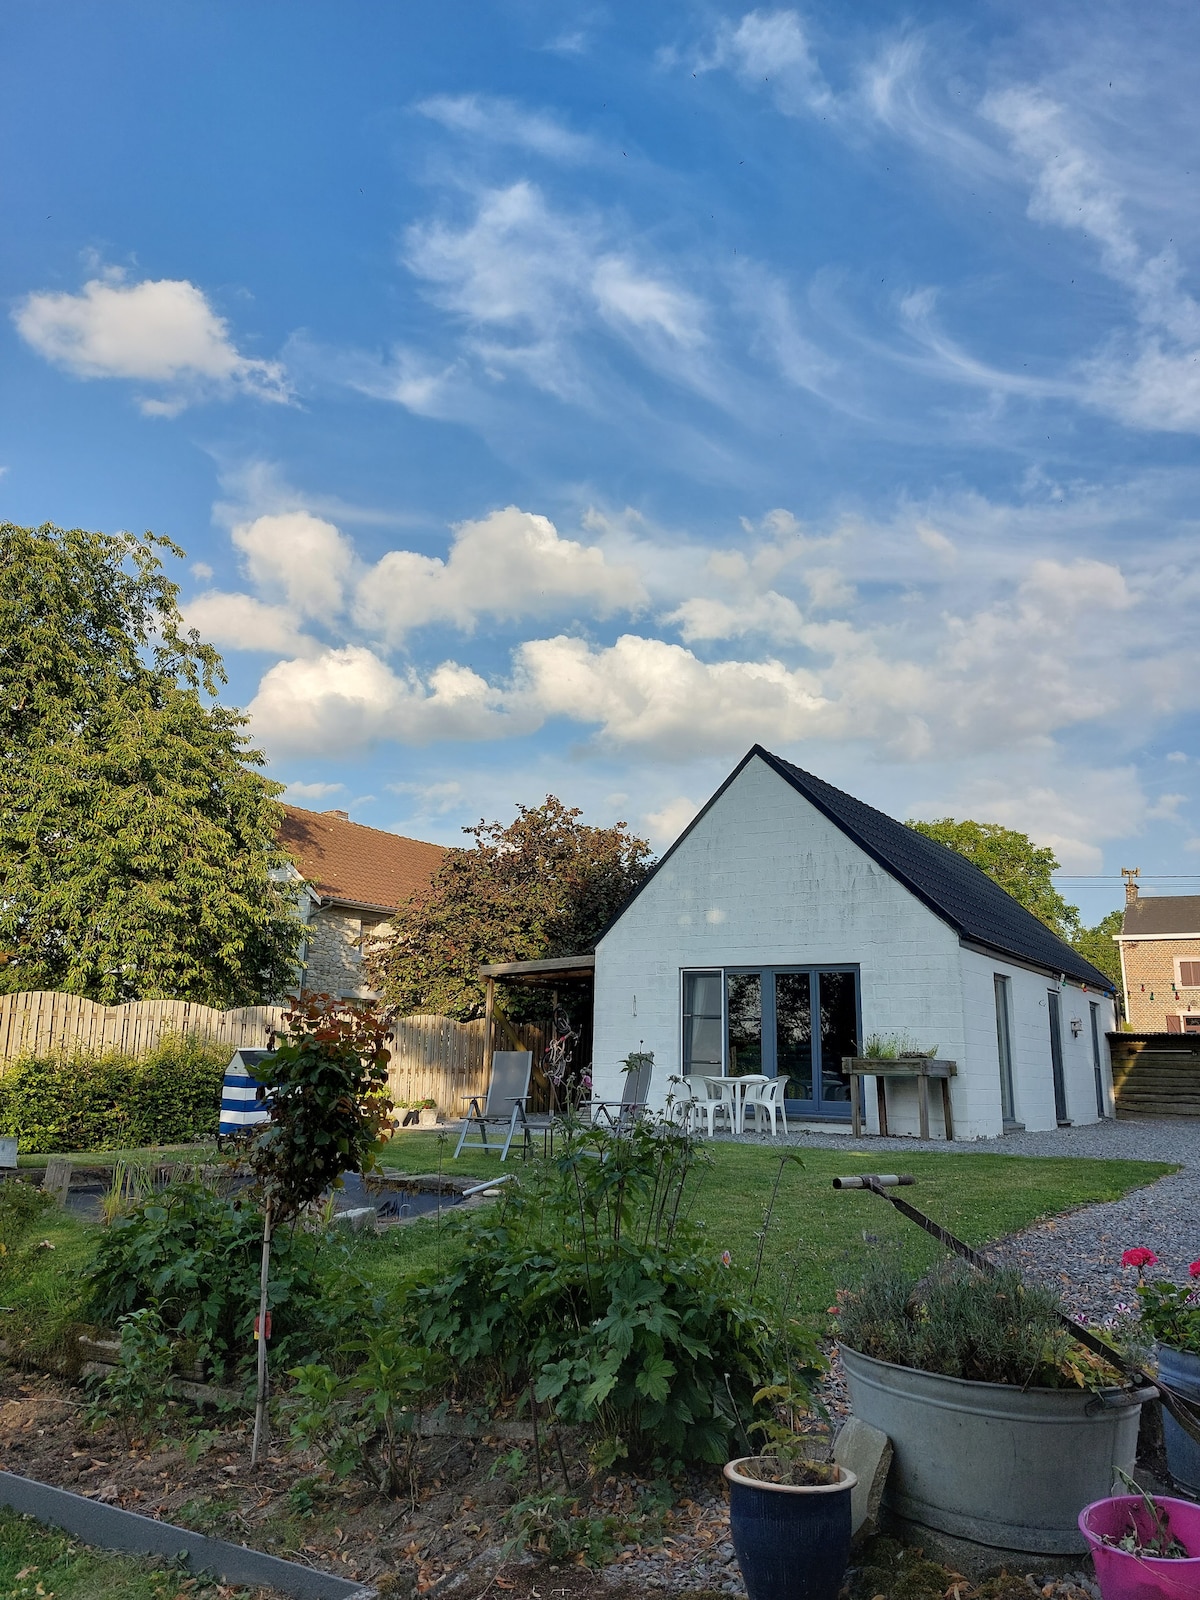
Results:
[829, 1234]
[37, 1561]
[160, 1155]
[817, 1239]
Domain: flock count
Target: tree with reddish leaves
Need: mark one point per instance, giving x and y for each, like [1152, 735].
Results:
[543, 885]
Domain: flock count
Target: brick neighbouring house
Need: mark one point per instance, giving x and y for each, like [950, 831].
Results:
[1160, 961]
[356, 877]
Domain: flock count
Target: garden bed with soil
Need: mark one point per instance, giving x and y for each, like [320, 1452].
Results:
[451, 1535]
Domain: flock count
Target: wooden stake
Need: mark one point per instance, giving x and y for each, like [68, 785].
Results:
[260, 1398]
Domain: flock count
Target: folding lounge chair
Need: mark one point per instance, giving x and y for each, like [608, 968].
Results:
[504, 1105]
[634, 1094]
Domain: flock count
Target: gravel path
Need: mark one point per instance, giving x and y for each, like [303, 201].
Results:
[1080, 1253]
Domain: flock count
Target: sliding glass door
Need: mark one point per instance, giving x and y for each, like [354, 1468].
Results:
[791, 1023]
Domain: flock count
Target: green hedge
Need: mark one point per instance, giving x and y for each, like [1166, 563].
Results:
[115, 1102]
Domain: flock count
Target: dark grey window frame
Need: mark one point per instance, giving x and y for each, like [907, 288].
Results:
[768, 975]
[1002, 988]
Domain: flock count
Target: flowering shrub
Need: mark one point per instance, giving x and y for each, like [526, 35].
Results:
[1170, 1312]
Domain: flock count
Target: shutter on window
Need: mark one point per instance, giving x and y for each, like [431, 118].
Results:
[1189, 974]
[1174, 1022]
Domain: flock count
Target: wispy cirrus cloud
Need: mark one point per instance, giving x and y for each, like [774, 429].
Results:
[499, 121]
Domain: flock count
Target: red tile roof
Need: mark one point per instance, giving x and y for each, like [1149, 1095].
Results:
[345, 861]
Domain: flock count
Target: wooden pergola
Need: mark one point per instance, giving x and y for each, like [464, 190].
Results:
[563, 969]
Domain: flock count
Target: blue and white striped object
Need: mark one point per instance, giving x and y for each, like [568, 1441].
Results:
[244, 1100]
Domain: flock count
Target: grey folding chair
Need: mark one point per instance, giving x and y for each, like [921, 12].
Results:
[634, 1094]
[504, 1104]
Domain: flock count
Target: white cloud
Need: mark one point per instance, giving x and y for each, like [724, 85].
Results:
[649, 694]
[1166, 807]
[511, 563]
[161, 331]
[1158, 386]
[769, 616]
[493, 121]
[240, 622]
[771, 48]
[314, 791]
[1178, 756]
[529, 282]
[434, 799]
[1074, 810]
[348, 698]
[304, 558]
[668, 822]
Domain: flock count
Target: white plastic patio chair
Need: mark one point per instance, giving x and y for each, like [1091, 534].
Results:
[767, 1101]
[504, 1104]
[708, 1103]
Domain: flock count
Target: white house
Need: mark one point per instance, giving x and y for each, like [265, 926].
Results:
[790, 922]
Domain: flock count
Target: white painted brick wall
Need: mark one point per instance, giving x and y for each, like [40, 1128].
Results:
[765, 880]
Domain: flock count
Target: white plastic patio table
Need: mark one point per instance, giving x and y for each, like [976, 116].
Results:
[733, 1092]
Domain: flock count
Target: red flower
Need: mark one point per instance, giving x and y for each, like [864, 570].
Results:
[835, 1311]
[1139, 1257]
[1194, 1270]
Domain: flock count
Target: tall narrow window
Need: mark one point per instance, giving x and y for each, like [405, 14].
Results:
[1098, 1062]
[744, 1001]
[1008, 1105]
[793, 1034]
[703, 1023]
[1056, 1058]
[839, 1032]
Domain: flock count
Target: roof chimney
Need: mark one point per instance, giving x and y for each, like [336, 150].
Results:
[1130, 874]
[344, 816]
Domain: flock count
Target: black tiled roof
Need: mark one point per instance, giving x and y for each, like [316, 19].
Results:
[953, 888]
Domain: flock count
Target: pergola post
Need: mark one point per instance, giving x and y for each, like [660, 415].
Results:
[489, 1014]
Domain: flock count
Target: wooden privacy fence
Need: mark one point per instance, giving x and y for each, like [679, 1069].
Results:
[433, 1058]
[1156, 1074]
[47, 1023]
[436, 1058]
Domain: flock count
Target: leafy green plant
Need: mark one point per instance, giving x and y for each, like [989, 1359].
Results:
[554, 1526]
[1169, 1312]
[893, 1046]
[191, 1254]
[330, 1112]
[589, 1288]
[135, 1392]
[367, 1419]
[990, 1328]
[110, 1102]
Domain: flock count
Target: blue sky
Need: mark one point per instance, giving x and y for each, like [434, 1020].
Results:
[558, 397]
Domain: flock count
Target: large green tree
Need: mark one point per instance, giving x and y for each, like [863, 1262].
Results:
[137, 842]
[1097, 946]
[542, 885]
[1019, 866]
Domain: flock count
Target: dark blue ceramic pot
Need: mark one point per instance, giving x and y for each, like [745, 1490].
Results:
[792, 1541]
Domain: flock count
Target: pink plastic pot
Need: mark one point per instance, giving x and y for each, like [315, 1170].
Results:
[1123, 1576]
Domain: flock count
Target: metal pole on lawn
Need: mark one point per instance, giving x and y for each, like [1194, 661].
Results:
[260, 1398]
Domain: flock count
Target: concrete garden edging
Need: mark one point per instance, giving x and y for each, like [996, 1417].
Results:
[114, 1529]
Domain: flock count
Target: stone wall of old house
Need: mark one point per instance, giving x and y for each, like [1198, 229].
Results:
[1151, 992]
[337, 940]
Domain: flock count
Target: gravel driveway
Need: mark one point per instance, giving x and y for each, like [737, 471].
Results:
[1080, 1253]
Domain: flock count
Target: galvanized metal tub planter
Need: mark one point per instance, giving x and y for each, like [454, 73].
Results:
[1180, 1370]
[792, 1540]
[1006, 1467]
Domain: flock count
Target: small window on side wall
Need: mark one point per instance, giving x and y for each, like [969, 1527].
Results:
[1187, 973]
